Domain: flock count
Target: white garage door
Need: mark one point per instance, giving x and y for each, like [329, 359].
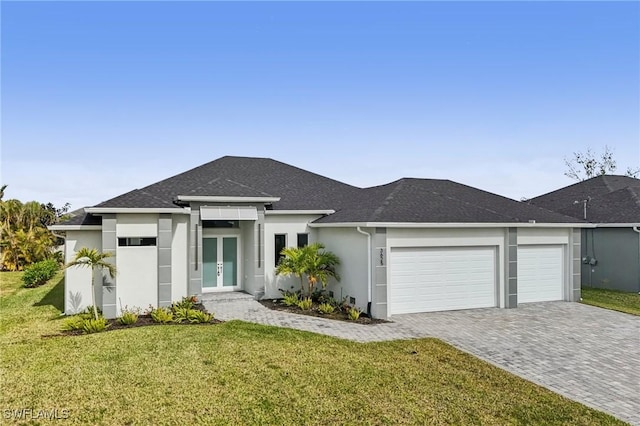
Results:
[440, 279]
[540, 273]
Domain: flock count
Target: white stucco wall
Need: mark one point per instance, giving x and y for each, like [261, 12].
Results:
[543, 236]
[179, 251]
[351, 247]
[77, 287]
[291, 226]
[136, 225]
[137, 282]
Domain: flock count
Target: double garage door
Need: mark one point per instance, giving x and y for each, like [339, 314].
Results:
[425, 279]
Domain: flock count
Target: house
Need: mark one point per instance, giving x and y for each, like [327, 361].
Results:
[413, 245]
[610, 253]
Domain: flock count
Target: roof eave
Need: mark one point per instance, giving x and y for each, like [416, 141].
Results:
[450, 225]
[226, 199]
[617, 225]
[298, 212]
[107, 210]
[74, 227]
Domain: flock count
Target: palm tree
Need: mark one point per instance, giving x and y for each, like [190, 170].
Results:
[93, 259]
[313, 261]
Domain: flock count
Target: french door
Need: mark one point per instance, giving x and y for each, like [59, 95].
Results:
[220, 263]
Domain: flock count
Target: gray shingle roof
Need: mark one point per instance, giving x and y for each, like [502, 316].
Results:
[438, 201]
[242, 177]
[405, 200]
[610, 199]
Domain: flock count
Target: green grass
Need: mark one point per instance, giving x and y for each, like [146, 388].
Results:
[612, 299]
[240, 373]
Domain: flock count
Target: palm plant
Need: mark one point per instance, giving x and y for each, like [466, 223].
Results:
[313, 261]
[93, 259]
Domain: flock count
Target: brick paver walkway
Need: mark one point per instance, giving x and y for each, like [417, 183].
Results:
[585, 353]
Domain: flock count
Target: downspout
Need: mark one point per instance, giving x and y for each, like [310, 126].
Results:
[369, 281]
[635, 228]
[64, 256]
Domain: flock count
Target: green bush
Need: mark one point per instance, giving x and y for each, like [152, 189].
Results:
[305, 304]
[129, 316]
[39, 273]
[291, 299]
[326, 308]
[197, 317]
[186, 302]
[72, 323]
[161, 315]
[94, 325]
[354, 313]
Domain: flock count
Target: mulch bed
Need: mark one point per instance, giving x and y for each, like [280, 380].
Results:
[143, 321]
[277, 305]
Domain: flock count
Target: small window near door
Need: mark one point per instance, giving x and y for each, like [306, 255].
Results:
[136, 242]
[303, 240]
[280, 244]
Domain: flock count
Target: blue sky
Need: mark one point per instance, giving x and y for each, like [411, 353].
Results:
[99, 98]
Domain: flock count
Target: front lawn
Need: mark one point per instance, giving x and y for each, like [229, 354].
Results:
[240, 373]
[612, 299]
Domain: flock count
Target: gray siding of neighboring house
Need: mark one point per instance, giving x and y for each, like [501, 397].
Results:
[617, 251]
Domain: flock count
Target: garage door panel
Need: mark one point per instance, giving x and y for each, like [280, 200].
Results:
[540, 273]
[435, 279]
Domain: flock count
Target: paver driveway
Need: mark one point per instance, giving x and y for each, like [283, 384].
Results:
[588, 354]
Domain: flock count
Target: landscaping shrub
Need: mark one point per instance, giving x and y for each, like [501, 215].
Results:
[186, 302]
[94, 325]
[197, 317]
[72, 323]
[161, 315]
[39, 273]
[291, 299]
[354, 313]
[129, 316]
[326, 308]
[305, 304]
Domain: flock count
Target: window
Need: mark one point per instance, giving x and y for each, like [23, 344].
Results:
[303, 240]
[280, 243]
[220, 224]
[136, 241]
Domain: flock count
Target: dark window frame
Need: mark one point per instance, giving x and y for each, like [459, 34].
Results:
[137, 241]
[305, 235]
[278, 247]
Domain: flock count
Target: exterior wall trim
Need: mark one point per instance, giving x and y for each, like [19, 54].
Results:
[75, 227]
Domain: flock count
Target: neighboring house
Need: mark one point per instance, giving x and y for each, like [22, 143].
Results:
[610, 249]
[413, 245]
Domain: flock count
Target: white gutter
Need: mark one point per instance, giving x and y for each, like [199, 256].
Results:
[617, 225]
[74, 227]
[227, 199]
[450, 225]
[106, 210]
[369, 280]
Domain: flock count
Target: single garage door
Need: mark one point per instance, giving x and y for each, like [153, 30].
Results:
[441, 279]
[540, 273]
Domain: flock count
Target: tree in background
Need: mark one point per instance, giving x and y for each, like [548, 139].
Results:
[24, 237]
[586, 165]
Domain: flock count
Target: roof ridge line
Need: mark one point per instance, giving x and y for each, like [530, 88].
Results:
[378, 211]
[250, 187]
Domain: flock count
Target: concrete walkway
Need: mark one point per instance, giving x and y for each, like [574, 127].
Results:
[587, 354]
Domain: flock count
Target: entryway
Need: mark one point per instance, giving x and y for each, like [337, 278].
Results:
[220, 255]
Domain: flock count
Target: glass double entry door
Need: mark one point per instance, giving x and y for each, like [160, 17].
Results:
[219, 263]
